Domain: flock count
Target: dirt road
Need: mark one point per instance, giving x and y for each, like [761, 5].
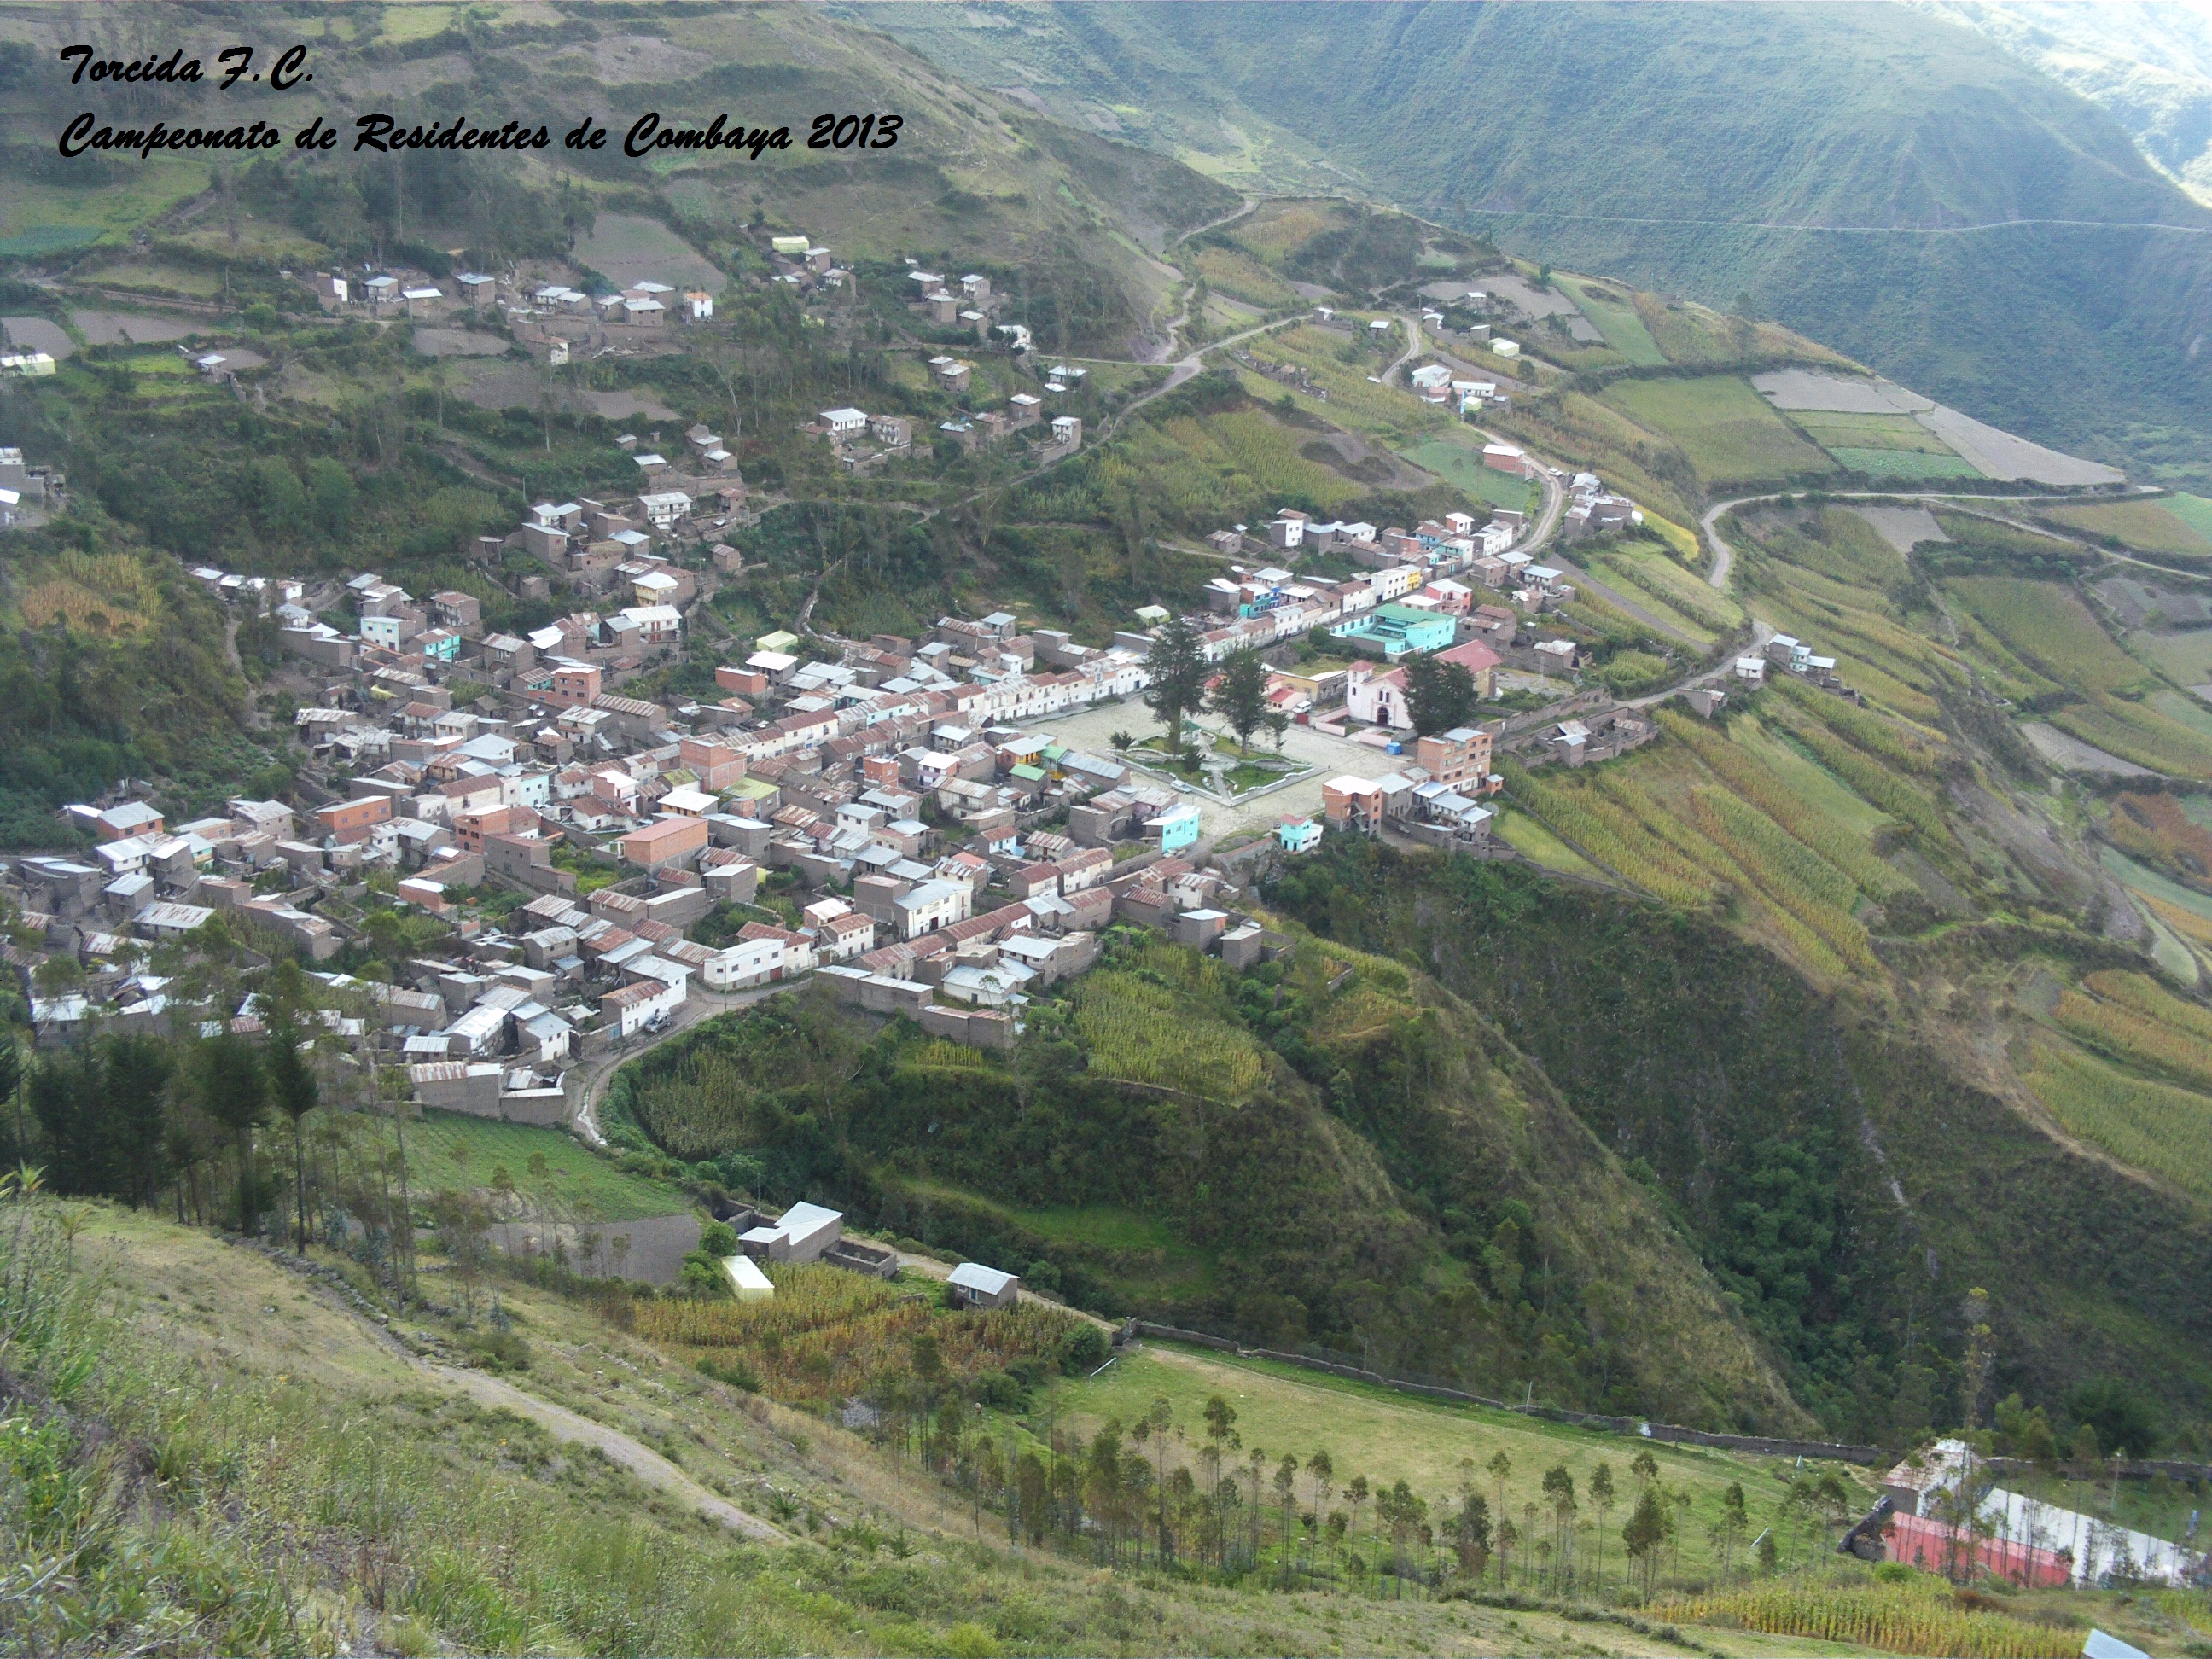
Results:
[641, 1460]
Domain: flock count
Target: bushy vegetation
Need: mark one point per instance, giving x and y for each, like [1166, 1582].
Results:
[828, 1335]
[1281, 1139]
[1772, 1125]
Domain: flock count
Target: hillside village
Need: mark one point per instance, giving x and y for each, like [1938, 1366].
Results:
[893, 816]
[780, 859]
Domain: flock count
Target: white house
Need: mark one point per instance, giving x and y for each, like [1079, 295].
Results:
[975, 1285]
[657, 624]
[931, 905]
[665, 507]
[631, 1008]
[805, 1231]
[845, 423]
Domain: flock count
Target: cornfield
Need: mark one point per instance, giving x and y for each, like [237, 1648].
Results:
[1143, 1033]
[103, 592]
[2156, 828]
[828, 1335]
[700, 1108]
[2146, 997]
[1603, 831]
[1669, 583]
[1898, 1617]
[1787, 871]
[938, 1055]
[2123, 1032]
[1744, 772]
[1869, 778]
[2153, 1126]
[1869, 731]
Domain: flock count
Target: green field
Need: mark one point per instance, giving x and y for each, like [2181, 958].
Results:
[1528, 837]
[1456, 464]
[2187, 657]
[2153, 1126]
[1201, 464]
[1828, 428]
[1623, 329]
[2194, 511]
[1729, 431]
[1238, 275]
[1902, 463]
[2050, 630]
[1354, 400]
[450, 1149]
[1431, 1446]
[2155, 526]
[1661, 578]
[41, 218]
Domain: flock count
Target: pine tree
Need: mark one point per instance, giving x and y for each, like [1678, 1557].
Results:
[1439, 694]
[1240, 694]
[1176, 667]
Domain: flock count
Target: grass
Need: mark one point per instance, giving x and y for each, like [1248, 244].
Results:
[1389, 1436]
[2195, 511]
[2151, 526]
[191, 1401]
[1528, 836]
[1729, 432]
[1458, 463]
[553, 1173]
[1902, 463]
[1617, 320]
[2154, 1126]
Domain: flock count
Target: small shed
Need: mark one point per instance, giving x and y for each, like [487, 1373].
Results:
[973, 1285]
[746, 1278]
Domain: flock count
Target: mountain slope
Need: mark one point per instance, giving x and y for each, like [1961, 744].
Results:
[2150, 65]
[969, 177]
[1331, 1152]
[1839, 1177]
[1667, 147]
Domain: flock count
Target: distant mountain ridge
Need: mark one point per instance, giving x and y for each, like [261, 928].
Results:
[1826, 161]
[2149, 64]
